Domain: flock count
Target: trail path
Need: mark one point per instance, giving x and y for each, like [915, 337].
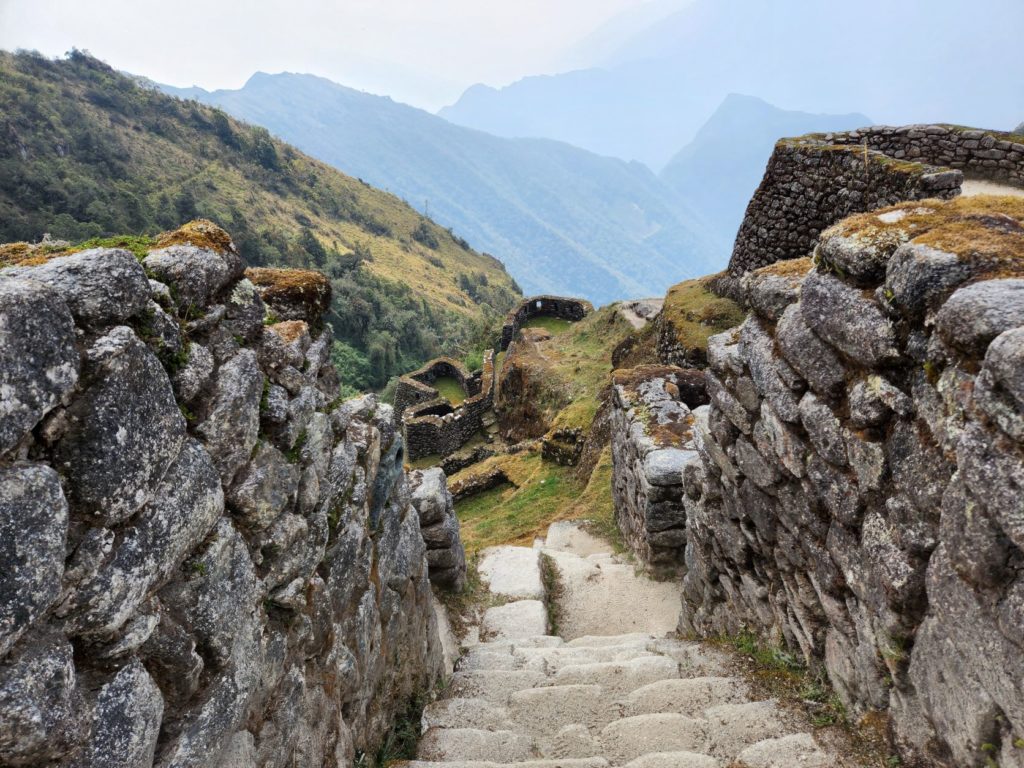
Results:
[614, 689]
[974, 187]
[641, 311]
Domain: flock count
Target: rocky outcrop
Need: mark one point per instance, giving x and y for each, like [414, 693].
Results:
[858, 493]
[205, 558]
[652, 441]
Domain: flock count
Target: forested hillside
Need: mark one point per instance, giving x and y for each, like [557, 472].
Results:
[86, 152]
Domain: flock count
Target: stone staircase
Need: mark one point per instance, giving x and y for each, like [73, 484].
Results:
[522, 697]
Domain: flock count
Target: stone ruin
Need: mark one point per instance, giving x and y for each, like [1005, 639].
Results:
[814, 181]
[855, 488]
[566, 308]
[431, 424]
[206, 559]
[435, 427]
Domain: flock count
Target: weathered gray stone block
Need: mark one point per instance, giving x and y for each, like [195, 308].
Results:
[122, 432]
[40, 362]
[230, 429]
[102, 286]
[195, 275]
[841, 316]
[978, 313]
[33, 533]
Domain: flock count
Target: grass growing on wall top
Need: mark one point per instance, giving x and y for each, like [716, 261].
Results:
[540, 493]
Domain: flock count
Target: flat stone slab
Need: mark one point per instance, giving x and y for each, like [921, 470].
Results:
[512, 572]
[525, 618]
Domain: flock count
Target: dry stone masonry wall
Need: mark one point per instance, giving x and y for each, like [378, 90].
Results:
[811, 183]
[566, 308]
[651, 443]
[859, 488]
[205, 559]
[433, 426]
[980, 154]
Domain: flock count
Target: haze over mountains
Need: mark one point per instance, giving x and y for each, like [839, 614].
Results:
[911, 61]
[562, 219]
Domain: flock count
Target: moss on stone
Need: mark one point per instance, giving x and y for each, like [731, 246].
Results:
[985, 230]
[787, 268]
[202, 233]
[696, 314]
[293, 285]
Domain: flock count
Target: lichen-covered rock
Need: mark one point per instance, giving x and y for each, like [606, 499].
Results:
[293, 294]
[33, 532]
[976, 314]
[851, 323]
[439, 526]
[37, 345]
[289, 628]
[122, 433]
[230, 429]
[185, 505]
[195, 275]
[815, 360]
[42, 716]
[879, 534]
[101, 287]
[265, 487]
[125, 724]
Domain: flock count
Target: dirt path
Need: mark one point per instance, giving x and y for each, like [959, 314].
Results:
[974, 187]
[602, 593]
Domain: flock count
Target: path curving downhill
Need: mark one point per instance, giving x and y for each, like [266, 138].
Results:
[616, 690]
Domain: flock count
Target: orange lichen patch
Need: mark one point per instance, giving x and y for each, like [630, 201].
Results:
[986, 230]
[787, 268]
[22, 254]
[289, 284]
[201, 233]
[290, 330]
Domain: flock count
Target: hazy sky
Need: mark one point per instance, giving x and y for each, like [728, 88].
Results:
[424, 52]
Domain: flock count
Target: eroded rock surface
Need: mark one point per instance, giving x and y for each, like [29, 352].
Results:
[206, 559]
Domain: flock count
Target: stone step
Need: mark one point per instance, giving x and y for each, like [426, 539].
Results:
[494, 686]
[513, 621]
[465, 744]
[549, 660]
[734, 727]
[618, 678]
[633, 737]
[601, 641]
[512, 572]
[571, 741]
[590, 762]
[676, 760]
[685, 696]
[796, 751]
[532, 641]
[546, 710]
[694, 659]
[465, 713]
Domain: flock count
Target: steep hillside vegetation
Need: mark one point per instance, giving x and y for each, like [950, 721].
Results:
[565, 221]
[86, 152]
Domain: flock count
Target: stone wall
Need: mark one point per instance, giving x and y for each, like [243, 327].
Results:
[543, 306]
[811, 183]
[435, 427]
[991, 155]
[440, 528]
[651, 430]
[205, 559]
[859, 492]
[417, 387]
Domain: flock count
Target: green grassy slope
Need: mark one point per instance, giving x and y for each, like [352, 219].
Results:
[87, 152]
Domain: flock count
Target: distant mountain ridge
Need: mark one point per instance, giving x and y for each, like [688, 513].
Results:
[719, 170]
[912, 61]
[562, 219]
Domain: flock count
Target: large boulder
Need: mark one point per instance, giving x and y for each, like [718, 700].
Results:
[37, 345]
[102, 286]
